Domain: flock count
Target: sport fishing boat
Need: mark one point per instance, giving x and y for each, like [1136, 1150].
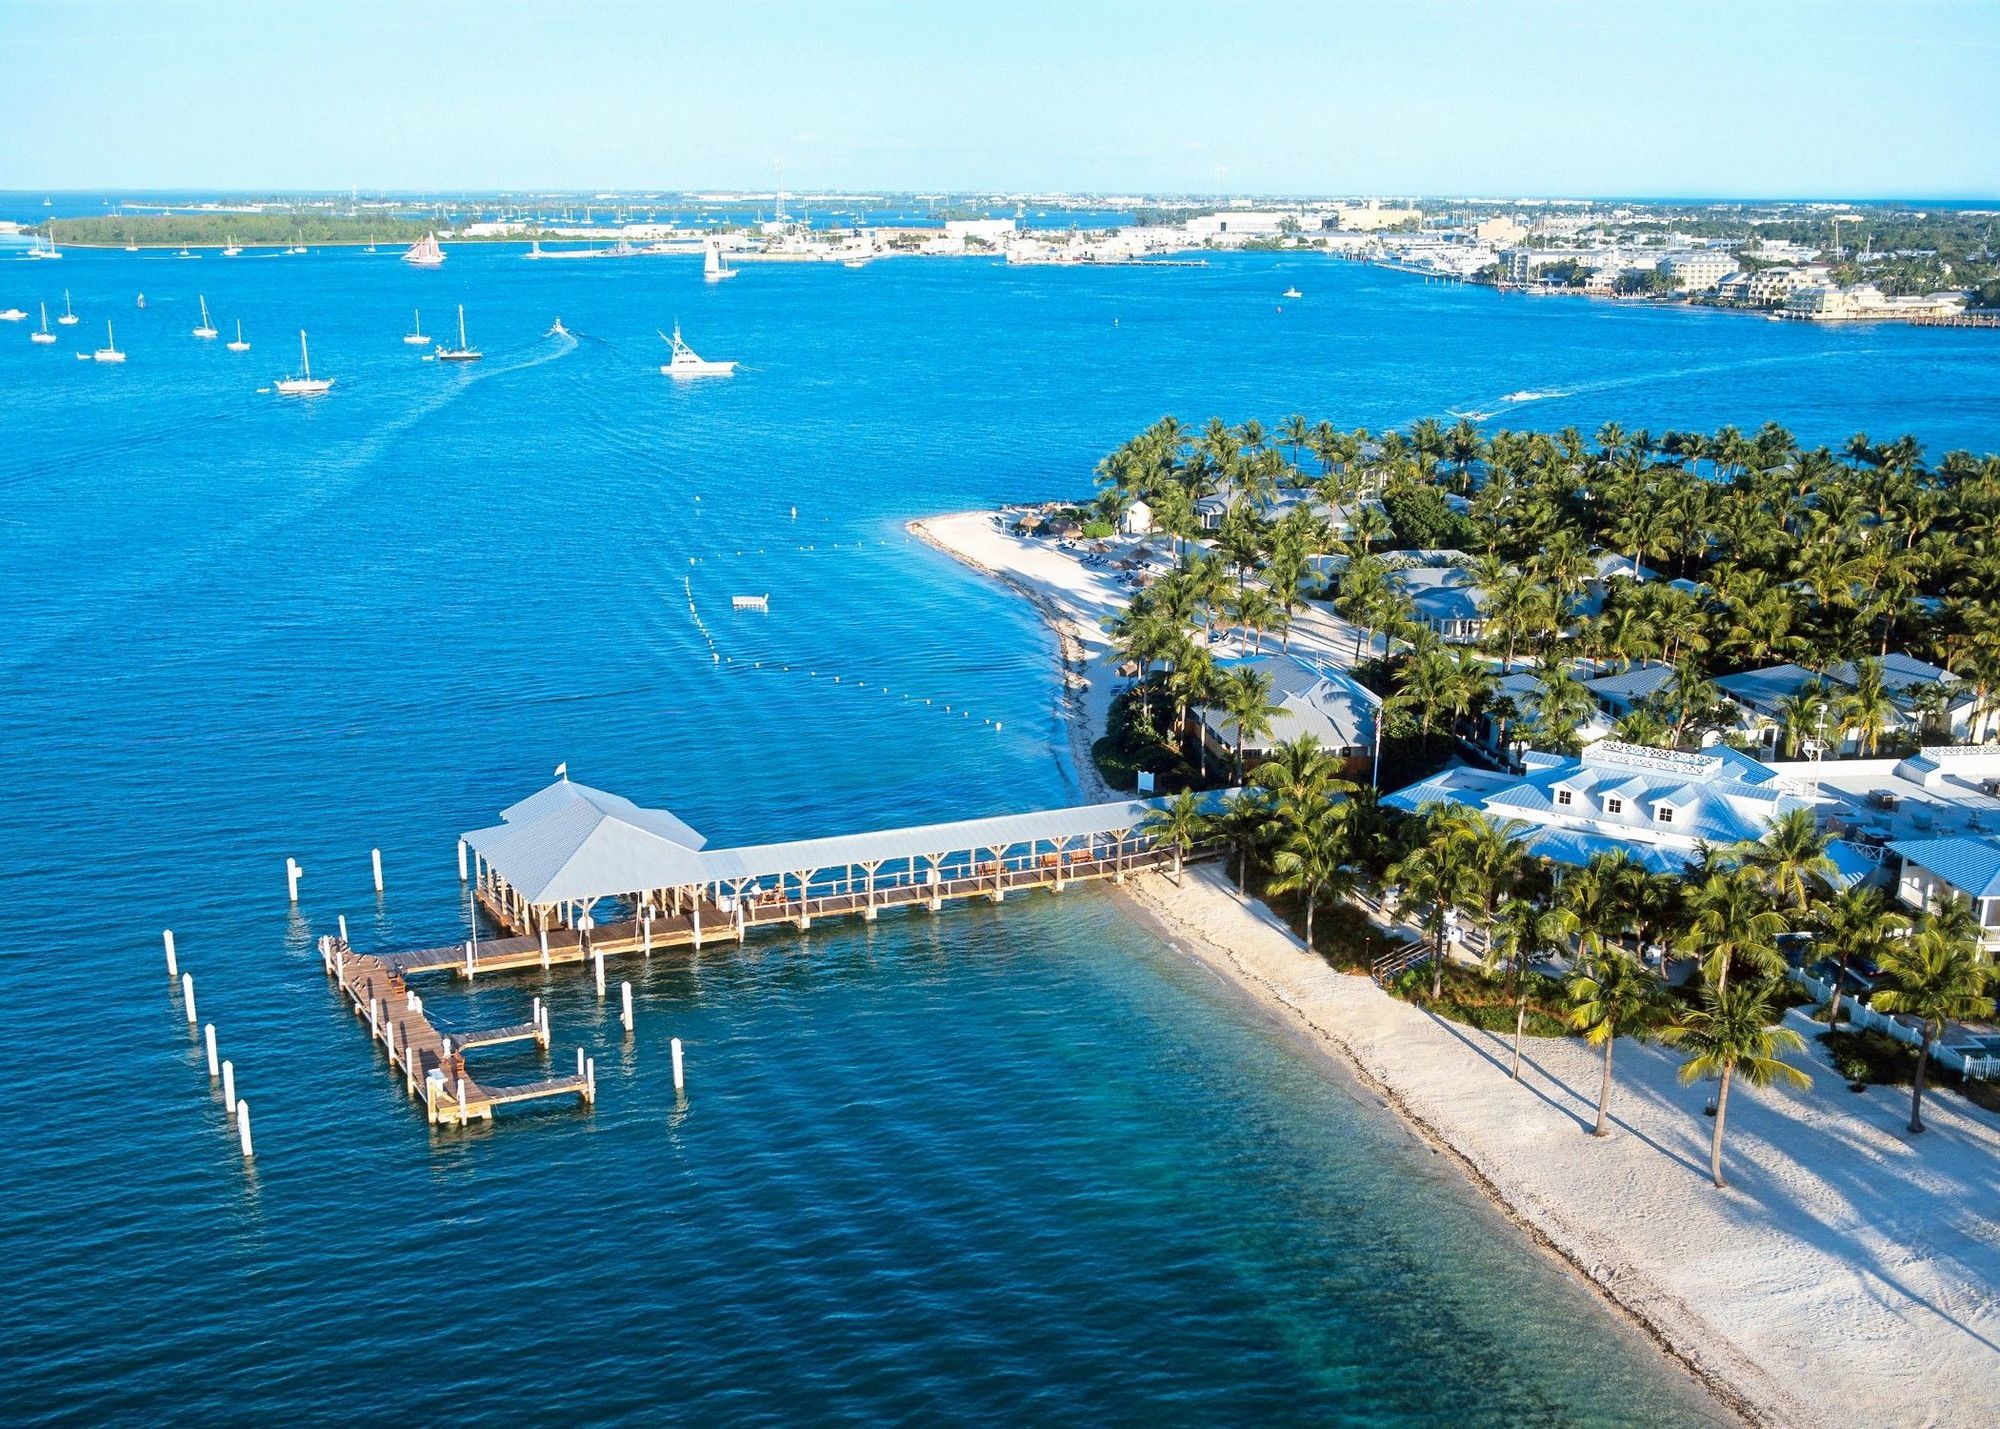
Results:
[306, 385]
[207, 329]
[464, 352]
[424, 253]
[1291, 293]
[687, 363]
[109, 352]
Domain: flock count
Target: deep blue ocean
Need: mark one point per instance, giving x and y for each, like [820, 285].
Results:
[1019, 1164]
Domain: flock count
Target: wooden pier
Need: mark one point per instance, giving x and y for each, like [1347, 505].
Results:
[569, 852]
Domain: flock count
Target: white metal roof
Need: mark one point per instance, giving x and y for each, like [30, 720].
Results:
[569, 842]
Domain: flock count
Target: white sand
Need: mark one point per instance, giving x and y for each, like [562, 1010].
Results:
[1850, 1274]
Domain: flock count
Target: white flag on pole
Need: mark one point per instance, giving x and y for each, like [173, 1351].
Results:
[562, 770]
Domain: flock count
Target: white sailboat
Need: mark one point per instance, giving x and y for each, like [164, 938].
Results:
[229, 248]
[687, 363]
[47, 248]
[371, 244]
[206, 331]
[424, 253]
[185, 254]
[464, 352]
[68, 319]
[239, 345]
[109, 352]
[44, 335]
[713, 268]
[306, 385]
[415, 336]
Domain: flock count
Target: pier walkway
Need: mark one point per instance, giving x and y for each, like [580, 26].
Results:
[569, 853]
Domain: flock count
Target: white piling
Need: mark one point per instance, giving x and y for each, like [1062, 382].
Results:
[461, 861]
[545, 950]
[590, 1079]
[375, 858]
[625, 989]
[446, 1044]
[243, 1128]
[579, 1061]
[461, 1101]
[649, 934]
[468, 957]
[229, 1087]
[679, 1080]
[597, 958]
[208, 1036]
[343, 927]
[340, 965]
[537, 1018]
[389, 1037]
[173, 968]
[374, 1011]
[292, 874]
[187, 995]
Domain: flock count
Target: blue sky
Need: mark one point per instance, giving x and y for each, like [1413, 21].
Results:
[1444, 97]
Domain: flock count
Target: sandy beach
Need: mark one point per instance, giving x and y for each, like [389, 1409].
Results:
[1850, 1273]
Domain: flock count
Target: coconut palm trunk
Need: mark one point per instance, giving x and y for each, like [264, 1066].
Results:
[1604, 1093]
[1917, 1084]
[1715, 1143]
[1520, 1018]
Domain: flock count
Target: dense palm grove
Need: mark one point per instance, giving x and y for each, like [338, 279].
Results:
[1791, 554]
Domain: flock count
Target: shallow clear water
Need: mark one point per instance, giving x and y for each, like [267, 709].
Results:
[1009, 1163]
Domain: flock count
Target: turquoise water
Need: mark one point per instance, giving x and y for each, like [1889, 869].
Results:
[1016, 1164]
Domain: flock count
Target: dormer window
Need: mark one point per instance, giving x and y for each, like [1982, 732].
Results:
[1665, 813]
[1614, 805]
[1563, 797]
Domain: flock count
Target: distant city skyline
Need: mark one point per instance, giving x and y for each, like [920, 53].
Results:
[1539, 98]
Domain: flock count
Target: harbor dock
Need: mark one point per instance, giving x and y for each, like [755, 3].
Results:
[559, 859]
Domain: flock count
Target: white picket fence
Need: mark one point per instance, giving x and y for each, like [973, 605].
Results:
[1973, 1065]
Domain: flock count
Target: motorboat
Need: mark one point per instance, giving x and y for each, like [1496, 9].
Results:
[1291, 293]
[685, 362]
[15, 315]
[305, 385]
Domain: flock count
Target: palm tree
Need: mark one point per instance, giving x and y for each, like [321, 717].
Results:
[1936, 975]
[1179, 824]
[1609, 995]
[1246, 699]
[1792, 858]
[1869, 708]
[1858, 922]
[1802, 716]
[1734, 923]
[1438, 876]
[1731, 1034]
[1313, 860]
[1522, 932]
[1302, 775]
[1245, 820]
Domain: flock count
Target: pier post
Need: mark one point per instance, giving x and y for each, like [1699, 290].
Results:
[590, 1081]
[625, 989]
[597, 962]
[679, 1080]
[697, 922]
[461, 861]
[243, 1128]
[461, 1101]
[648, 927]
[340, 963]
[468, 960]
[208, 1036]
[343, 928]
[173, 968]
[545, 948]
[409, 1073]
[374, 1010]
[187, 995]
[292, 875]
[738, 915]
[433, 1080]
[389, 1039]
[579, 1061]
[229, 1087]
[375, 858]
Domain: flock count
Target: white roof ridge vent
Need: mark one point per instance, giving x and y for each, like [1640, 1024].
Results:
[1658, 761]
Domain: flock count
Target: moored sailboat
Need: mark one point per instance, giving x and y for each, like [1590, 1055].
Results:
[306, 385]
[713, 266]
[207, 329]
[415, 336]
[109, 352]
[424, 253]
[239, 345]
[43, 335]
[464, 352]
[68, 318]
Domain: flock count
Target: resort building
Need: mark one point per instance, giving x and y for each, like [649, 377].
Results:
[1864, 302]
[1656, 805]
[1513, 717]
[1445, 597]
[1968, 868]
[1313, 697]
[1699, 272]
[1619, 694]
[1925, 699]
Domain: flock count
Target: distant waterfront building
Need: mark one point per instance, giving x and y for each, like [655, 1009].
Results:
[1372, 217]
[1826, 302]
[1499, 231]
[1699, 272]
[1656, 805]
[994, 232]
[1239, 225]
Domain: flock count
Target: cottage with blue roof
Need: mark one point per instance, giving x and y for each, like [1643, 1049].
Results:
[1963, 866]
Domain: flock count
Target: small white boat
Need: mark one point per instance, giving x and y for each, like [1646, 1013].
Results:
[558, 330]
[306, 385]
[300, 246]
[109, 352]
[415, 336]
[131, 248]
[854, 263]
[43, 335]
[687, 363]
[206, 332]
[1291, 293]
[142, 300]
[185, 254]
[713, 268]
[464, 352]
[424, 253]
[750, 602]
[68, 318]
[371, 244]
[229, 248]
[239, 345]
[45, 249]
[14, 315]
